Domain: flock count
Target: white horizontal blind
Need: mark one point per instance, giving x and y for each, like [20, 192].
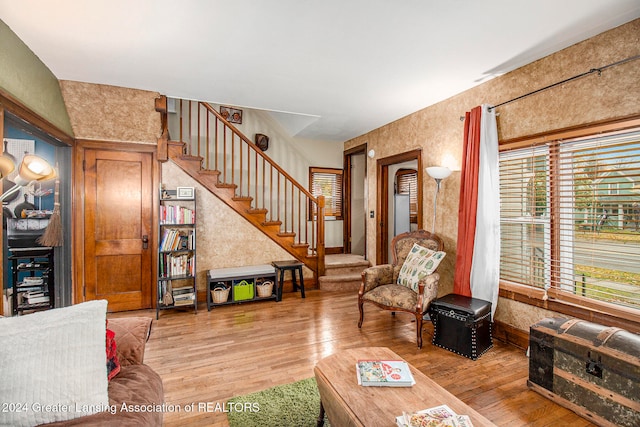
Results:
[524, 216]
[328, 183]
[407, 181]
[571, 218]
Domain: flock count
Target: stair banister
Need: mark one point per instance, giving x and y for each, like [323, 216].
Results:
[296, 221]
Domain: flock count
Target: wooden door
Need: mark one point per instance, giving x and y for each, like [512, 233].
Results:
[118, 221]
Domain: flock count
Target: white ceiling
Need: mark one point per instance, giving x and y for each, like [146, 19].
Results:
[326, 69]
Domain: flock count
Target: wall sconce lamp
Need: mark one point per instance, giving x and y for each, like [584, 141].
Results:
[32, 169]
[438, 173]
[371, 153]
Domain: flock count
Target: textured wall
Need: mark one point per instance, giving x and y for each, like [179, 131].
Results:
[27, 79]
[111, 113]
[439, 131]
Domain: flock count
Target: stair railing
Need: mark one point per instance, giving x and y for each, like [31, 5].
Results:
[255, 176]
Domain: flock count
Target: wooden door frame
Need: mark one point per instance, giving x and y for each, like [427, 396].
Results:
[79, 211]
[382, 197]
[346, 191]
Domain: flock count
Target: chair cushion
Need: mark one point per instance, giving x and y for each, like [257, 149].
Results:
[393, 296]
[420, 262]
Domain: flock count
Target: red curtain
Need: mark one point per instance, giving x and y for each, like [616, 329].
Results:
[468, 202]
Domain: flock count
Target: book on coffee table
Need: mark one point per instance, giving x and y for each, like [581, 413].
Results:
[438, 416]
[384, 373]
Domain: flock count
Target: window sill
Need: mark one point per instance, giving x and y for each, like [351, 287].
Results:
[581, 308]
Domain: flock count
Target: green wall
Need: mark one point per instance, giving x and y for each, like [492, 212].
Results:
[25, 77]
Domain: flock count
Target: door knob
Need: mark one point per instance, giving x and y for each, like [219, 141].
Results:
[145, 242]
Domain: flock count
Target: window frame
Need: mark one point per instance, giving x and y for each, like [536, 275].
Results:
[336, 212]
[572, 305]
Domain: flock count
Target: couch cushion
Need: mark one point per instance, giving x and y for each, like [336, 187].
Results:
[54, 357]
[131, 336]
[420, 262]
[140, 388]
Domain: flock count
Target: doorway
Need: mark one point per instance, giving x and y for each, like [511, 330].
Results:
[355, 203]
[386, 169]
[115, 255]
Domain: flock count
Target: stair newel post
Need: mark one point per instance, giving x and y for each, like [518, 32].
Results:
[163, 140]
[320, 245]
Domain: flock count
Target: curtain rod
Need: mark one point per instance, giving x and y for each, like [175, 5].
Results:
[591, 71]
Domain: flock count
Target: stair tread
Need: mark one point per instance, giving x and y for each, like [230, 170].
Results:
[268, 223]
[287, 234]
[363, 264]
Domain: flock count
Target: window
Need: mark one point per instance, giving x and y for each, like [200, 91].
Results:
[328, 183]
[570, 218]
[407, 182]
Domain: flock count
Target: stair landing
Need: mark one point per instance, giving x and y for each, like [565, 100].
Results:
[343, 272]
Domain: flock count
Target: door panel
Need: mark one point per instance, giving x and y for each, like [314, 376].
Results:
[118, 213]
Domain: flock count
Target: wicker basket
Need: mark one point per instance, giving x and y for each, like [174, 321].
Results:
[220, 295]
[264, 289]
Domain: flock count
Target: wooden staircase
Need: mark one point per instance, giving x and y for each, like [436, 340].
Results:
[343, 272]
[234, 169]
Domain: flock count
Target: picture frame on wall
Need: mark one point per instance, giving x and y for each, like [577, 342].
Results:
[232, 115]
[185, 192]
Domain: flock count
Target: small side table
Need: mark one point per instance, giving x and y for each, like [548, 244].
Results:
[292, 266]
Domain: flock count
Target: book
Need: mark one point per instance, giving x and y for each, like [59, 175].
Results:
[384, 373]
[438, 416]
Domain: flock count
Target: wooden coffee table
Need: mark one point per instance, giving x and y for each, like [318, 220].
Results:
[348, 404]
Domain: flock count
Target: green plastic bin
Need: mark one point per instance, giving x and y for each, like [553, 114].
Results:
[242, 291]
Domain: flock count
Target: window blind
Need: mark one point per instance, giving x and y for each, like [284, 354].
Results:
[570, 218]
[328, 183]
[407, 182]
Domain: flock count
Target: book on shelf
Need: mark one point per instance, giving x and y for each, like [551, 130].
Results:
[384, 373]
[184, 299]
[183, 290]
[176, 240]
[177, 215]
[176, 265]
[438, 416]
[35, 297]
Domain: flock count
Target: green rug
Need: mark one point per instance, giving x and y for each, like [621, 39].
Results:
[289, 405]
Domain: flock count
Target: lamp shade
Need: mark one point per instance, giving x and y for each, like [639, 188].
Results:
[438, 172]
[6, 166]
[34, 168]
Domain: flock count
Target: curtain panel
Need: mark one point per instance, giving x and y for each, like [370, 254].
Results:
[468, 202]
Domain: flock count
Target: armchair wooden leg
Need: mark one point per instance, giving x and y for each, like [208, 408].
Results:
[419, 329]
[361, 313]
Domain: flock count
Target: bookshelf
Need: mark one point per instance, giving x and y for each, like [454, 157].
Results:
[177, 250]
[33, 278]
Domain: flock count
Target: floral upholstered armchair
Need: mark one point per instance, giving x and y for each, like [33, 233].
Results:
[410, 283]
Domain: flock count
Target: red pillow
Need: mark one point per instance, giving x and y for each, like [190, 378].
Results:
[113, 364]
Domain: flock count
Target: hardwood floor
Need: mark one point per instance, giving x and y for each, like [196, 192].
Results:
[233, 350]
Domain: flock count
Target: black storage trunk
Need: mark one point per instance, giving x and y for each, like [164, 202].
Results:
[462, 324]
[588, 368]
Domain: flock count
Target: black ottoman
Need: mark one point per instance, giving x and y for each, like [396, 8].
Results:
[462, 324]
